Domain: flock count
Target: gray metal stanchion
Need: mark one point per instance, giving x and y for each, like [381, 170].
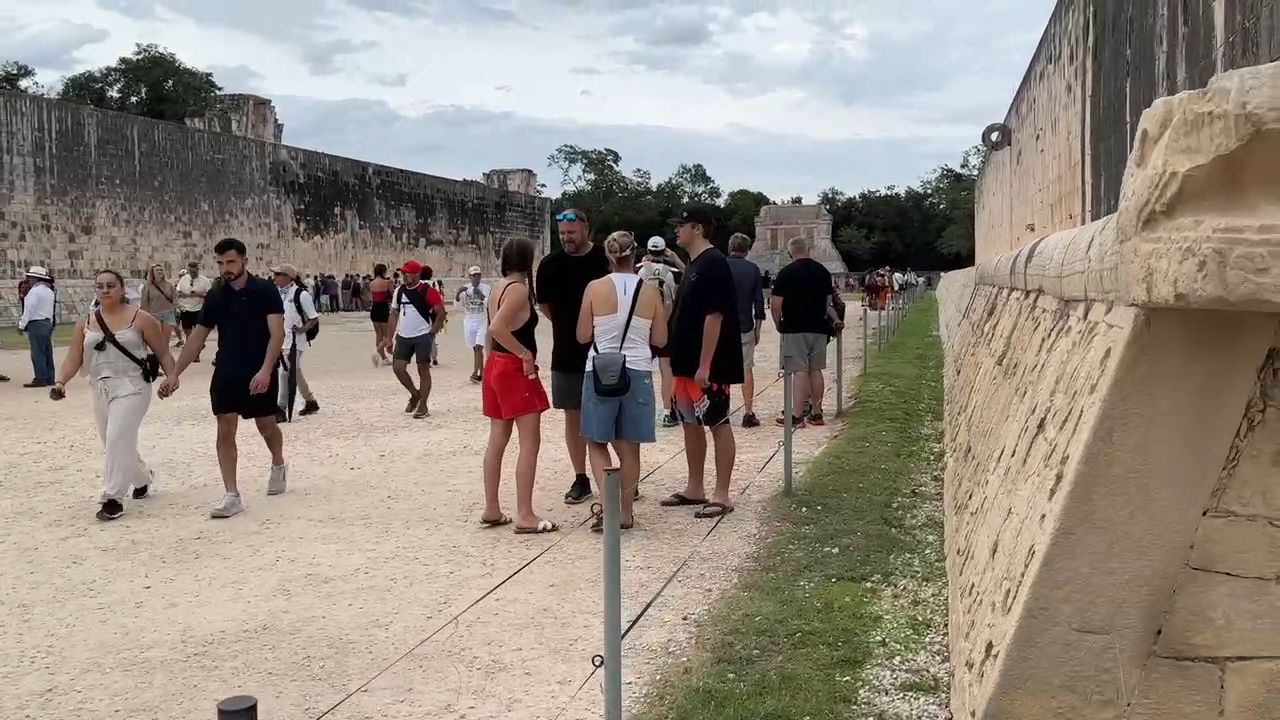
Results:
[788, 427]
[879, 329]
[240, 707]
[612, 594]
[839, 372]
[865, 350]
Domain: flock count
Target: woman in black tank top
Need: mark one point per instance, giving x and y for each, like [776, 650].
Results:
[514, 397]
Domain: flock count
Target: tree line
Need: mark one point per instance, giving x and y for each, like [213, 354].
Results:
[927, 226]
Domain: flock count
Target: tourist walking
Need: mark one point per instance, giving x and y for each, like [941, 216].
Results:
[562, 278]
[417, 315]
[623, 319]
[706, 359]
[380, 313]
[159, 297]
[749, 286]
[301, 322]
[38, 319]
[804, 314]
[426, 275]
[120, 348]
[474, 296]
[249, 316]
[512, 394]
[656, 270]
[191, 290]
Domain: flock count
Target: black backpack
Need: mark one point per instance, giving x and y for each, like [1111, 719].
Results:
[314, 330]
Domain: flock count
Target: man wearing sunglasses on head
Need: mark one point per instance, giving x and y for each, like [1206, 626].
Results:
[561, 280]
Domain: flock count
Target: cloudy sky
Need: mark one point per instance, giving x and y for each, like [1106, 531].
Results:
[785, 97]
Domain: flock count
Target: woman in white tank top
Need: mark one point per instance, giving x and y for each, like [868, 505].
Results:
[120, 394]
[624, 422]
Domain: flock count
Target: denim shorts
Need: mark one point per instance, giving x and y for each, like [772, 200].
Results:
[630, 418]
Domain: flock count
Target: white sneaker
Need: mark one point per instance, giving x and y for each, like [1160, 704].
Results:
[377, 360]
[231, 504]
[279, 480]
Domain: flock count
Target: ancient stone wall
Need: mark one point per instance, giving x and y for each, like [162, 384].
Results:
[1099, 65]
[777, 224]
[82, 189]
[1113, 529]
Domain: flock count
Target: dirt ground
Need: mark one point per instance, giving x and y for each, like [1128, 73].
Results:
[334, 587]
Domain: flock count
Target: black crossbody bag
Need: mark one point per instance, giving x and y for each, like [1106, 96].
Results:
[150, 365]
[609, 370]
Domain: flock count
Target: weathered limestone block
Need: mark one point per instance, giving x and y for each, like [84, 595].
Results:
[1247, 547]
[1254, 488]
[1198, 217]
[1173, 690]
[1220, 616]
[1252, 690]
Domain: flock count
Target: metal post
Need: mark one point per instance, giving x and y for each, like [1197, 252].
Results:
[839, 372]
[879, 329]
[788, 427]
[240, 707]
[865, 330]
[612, 594]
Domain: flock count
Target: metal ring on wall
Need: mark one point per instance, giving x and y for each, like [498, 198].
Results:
[997, 136]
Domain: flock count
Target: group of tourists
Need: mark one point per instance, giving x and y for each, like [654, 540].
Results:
[618, 311]
[884, 286]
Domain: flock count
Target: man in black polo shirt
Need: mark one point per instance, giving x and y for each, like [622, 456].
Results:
[561, 280]
[249, 316]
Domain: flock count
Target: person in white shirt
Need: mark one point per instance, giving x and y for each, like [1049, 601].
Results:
[192, 289]
[417, 314]
[37, 321]
[299, 316]
[474, 298]
[656, 269]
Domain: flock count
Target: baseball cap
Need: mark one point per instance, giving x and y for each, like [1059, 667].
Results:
[285, 269]
[413, 267]
[473, 270]
[694, 214]
[657, 244]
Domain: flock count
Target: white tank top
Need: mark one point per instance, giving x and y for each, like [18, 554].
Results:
[110, 362]
[608, 328]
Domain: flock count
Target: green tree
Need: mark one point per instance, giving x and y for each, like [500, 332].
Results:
[690, 184]
[20, 77]
[151, 82]
[741, 207]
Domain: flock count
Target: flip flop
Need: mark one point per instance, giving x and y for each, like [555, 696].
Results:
[504, 520]
[543, 526]
[681, 500]
[597, 525]
[713, 510]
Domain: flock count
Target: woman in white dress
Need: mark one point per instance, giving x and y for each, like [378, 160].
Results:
[121, 390]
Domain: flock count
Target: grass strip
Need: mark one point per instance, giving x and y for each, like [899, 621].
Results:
[854, 575]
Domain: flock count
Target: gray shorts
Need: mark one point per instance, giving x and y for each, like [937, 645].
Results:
[405, 348]
[566, 390]
[804, 351]
[748, 350]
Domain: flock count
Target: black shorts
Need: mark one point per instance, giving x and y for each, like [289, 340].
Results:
[189, 319]
[380, 312]
[229, 395]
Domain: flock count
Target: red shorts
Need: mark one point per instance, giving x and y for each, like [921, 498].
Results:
[507, 393]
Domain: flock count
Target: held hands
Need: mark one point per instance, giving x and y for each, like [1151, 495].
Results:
[167, 387]
[260, 382]
[58, 391]
[702, 377]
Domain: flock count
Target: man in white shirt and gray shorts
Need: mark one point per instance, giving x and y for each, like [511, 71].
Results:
[474, 297]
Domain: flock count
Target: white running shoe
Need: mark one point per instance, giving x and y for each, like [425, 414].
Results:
[231, 504]
[279, 479]
[377, 360]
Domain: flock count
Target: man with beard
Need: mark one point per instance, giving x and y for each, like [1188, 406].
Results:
[561, 280]
[249, 315]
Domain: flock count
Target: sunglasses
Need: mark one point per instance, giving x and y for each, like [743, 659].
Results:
[570, 216]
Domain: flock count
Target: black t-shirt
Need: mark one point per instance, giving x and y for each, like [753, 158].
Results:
[805, 289]
[241, 319]
[561, 281]
[707, 288]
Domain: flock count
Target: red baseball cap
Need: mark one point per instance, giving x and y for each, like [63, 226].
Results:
[413, 267]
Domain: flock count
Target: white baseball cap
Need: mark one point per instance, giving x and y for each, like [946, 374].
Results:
[657, 243]
[473, 270]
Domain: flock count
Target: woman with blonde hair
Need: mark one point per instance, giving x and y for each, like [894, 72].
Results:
[120, 348]
[624, 319]
[158, 295]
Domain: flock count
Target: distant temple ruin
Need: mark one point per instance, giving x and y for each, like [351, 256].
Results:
[777, 224]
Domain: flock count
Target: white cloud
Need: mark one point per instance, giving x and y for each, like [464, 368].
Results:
[51, 44]
[882, 88]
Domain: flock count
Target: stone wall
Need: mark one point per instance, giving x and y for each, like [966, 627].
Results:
[82, 189]
[1099, 65]
[1113, 528]
[777, 224]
